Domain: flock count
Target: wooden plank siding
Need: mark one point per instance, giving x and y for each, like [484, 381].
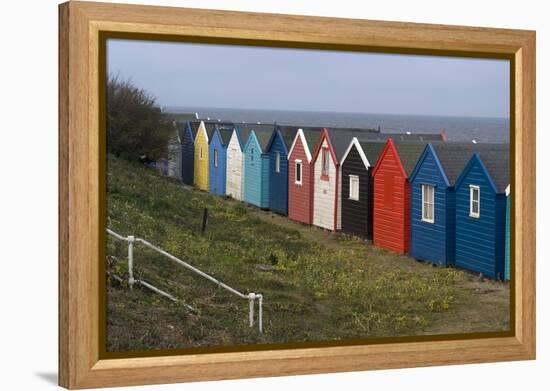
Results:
[278, 190]
[187, 155]
[391, 202]
[480, 241]
[217, 174]
[234, 174]
[357, 214]
[300, 196]
[324, 191]
[256, 174]
[201, 159]
[429, 241]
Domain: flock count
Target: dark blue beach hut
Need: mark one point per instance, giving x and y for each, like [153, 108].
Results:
[187, 132]
[481, 211]
[278, 149]
[433, 201]
[217, 155]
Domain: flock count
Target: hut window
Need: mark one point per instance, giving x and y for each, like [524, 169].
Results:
[251, 154]
[474, 201]
[200, 153]
[216, 158]
[298, 172]
[428, 203]
[354, 187]
[325, 163]
[278, 162]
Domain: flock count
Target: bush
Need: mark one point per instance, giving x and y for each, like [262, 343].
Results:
[135, 125]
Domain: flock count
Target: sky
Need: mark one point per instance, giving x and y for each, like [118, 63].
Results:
[246, 77]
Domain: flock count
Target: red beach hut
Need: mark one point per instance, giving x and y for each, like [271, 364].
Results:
[300, 174]
[392, 195]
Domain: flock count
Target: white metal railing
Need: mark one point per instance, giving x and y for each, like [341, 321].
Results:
[251, 297]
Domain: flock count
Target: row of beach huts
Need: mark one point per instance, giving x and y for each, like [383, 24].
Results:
[440, 201]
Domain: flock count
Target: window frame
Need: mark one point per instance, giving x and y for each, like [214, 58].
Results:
[252, 154]
[201, 157]
[216, 158]
[325, 155]
[296, 163]
[277, 162]
[473, 214]
[350, 195]
[425, 203]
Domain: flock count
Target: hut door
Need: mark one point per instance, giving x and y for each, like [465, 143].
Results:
[233, 163]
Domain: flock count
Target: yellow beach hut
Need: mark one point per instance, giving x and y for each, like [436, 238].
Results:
[201, 158]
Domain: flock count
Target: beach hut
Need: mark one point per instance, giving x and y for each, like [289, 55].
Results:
[187, 132]
[300, 174]
[326, 177]
[507, 248]
[202, 161]
[256, 166]
[391, 223]
[278, 148]
[217, 153]
[174, 147]
[201, 157]
[235, 162]
[481, 211]
[357, 186]
[433, 201]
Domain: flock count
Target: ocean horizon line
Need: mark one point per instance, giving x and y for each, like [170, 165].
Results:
[196, 108]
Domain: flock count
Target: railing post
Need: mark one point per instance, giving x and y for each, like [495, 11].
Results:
[131, 280]
[260, 313]
[251, 297]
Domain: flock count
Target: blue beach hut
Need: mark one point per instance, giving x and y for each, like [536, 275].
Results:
[256, 166]
[433, 201]
[278, 149]
[481, 211]
[186, 133]
[217, 156]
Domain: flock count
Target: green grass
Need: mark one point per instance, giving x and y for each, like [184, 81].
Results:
[323, 286]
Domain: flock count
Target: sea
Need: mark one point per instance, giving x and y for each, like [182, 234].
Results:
[480, 129]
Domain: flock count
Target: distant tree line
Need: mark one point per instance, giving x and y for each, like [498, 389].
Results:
[135, 124]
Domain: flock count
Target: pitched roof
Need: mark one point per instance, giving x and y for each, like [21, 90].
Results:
[454, 157]
[225, 134]
[341, 138]
[263, 133]
[210, 127]
[243, 132]
[288, 133]
[312, 136]
[372, 150]
[496, 159]
[195, 127]
[181, 130]
[409, 153]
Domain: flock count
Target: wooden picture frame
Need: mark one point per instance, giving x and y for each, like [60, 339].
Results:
[81, 24]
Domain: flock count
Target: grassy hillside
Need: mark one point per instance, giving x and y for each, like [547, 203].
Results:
[319, 286]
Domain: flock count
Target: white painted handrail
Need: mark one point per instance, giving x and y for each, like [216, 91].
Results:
[251, 297]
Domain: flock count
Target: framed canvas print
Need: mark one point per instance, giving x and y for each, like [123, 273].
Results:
[247, 195]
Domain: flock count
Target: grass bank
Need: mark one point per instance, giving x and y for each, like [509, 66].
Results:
[316, 285]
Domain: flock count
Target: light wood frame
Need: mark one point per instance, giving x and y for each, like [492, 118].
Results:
[80, 23]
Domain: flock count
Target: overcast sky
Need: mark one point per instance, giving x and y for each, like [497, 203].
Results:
[220, 76]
